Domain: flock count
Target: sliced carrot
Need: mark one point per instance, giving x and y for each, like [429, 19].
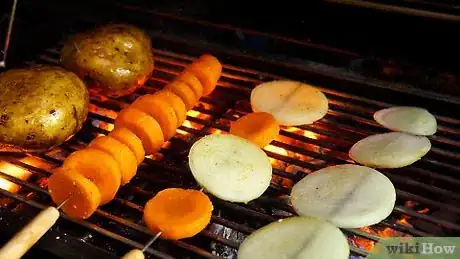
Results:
[192, 81]
[208, 70]
[125, 158]
[99, 167]
[176, 102]
[144, 126]
[160, 110]
[130, 139]
[85, 195]
[258, 127]
[184, 91]
[178, 213]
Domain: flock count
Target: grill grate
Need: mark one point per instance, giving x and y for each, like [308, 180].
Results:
[427, 191]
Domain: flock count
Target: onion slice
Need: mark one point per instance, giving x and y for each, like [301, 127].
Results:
[290, 102]
[349, 196]
[230, 167]
[413, 120]
[296, 237]
[390, 150]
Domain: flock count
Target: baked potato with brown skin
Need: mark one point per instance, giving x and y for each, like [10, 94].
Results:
[40, 107]
[117, 58]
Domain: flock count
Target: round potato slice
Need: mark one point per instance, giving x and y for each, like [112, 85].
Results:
[230, 167]
[296, 237]
[349, 196]
[390, 150]
[413, 120]
[290, 102]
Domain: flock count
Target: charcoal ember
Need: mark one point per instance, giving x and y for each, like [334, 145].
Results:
[221, 250]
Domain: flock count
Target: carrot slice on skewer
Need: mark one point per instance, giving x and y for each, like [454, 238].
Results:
[125, 158]
[99, 167]
[130, 139]
[184, 91]
[208, 70]
[176, 102]
[191, 80]
[160, 110]
[85, 194]
[144, 126]
[178, 213]
[258, 127]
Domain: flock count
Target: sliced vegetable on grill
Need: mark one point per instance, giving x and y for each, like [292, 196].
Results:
[116, 57]
[191, 80]
[144, 126]
[178, 213]
[296, 237]
[290, 102]
[230, 167]
[261, 128]
[185, 93]
[176, 102]
[99, 167]
[125, 158]
[84, 194]
[390, 150]
[160, 110]
[349, 196]
[413, 120]
[130, 139]
[40, 107]
[208, 70]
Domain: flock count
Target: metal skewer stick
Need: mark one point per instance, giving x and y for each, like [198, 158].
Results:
[31, 233]
[139, 254]
[8, 34]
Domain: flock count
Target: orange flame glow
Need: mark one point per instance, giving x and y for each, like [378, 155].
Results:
[14, 171]
[277, 150]
[305, 133]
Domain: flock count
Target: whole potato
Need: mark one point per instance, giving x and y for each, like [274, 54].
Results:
[116, 57]
[40, 107]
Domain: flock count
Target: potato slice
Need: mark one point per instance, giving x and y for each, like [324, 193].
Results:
[296, 237]
[230, 167]
[290, 102]
[413, 120]
[390, 150]
[349, 196]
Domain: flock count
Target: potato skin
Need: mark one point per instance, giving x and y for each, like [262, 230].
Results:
[40, 107]
[116, 57]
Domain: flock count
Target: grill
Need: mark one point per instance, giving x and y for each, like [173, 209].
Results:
[427, 191]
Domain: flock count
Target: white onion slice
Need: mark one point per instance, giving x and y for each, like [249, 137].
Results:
[413, 120]
[290, 102]
[349, 196]
[390, 150]
[296, 237]
[230, 167]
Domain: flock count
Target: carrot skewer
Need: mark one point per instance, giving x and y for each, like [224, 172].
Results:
[99, 167]
[208, 70]
[144, 126]
[184, 91]
[130, 139]
[125, 158]
[160, 110]
[177, 104]
[191, 80]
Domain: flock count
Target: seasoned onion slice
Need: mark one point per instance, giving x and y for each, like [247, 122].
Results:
[390, 150]
[296, 237]
[290, 102]
[349, 196]
[413, 120]
[230, 167]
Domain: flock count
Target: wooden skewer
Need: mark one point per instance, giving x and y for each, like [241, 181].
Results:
[139, 254]
[31, 233]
